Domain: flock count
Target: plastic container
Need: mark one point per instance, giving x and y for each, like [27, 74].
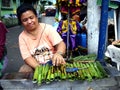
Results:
[82, 40]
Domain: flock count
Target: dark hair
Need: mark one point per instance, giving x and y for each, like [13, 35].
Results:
[23, 8]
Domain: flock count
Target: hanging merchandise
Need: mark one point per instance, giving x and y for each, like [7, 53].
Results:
[73, 5]
[69, 28]
[74, 28]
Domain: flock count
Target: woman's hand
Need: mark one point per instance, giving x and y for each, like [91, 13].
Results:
[58, 59]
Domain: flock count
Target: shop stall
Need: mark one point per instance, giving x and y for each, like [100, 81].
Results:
[81, 72]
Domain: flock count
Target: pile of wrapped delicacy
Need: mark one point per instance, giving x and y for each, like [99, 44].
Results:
[78, 68]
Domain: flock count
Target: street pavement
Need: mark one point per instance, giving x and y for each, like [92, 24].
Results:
[13, 53]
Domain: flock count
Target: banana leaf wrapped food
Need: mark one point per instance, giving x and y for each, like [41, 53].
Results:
[75, 70]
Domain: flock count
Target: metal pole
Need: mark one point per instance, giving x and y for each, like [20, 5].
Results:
[115, 25]
[103, 30]
[118, 24]
[68, 35]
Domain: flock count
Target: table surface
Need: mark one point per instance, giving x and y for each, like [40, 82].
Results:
[20, 81]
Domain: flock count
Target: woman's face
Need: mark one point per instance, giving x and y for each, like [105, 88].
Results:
[29, 20]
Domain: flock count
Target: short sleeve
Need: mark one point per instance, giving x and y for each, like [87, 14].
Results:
[54, 36]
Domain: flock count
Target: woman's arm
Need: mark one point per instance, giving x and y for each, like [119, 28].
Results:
[61, 48]
[31, 62]
[25, 53]
[60, 52]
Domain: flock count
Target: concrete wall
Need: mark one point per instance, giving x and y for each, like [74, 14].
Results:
[93, 16]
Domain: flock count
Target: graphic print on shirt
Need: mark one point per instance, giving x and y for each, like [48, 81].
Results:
[42, 54]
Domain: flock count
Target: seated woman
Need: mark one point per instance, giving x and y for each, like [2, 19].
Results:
[38, 42]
